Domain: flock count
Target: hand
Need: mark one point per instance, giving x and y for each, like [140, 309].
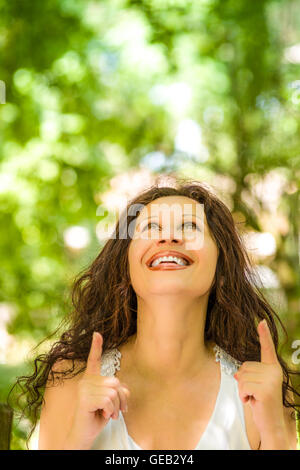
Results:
[260, 385]
[99, 398]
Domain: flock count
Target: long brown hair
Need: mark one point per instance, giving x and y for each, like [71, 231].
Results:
[104, 300]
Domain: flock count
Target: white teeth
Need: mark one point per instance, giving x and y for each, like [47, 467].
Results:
[180, 261]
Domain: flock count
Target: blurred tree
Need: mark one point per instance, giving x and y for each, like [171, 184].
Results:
[206, 88]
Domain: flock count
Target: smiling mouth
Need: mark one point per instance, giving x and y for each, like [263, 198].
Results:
[168, 266]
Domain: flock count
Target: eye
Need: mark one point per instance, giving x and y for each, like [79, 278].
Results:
[193, 224]
[185, 223]
[149, 223]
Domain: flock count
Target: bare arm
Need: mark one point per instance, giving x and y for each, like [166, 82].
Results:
[77, 409]
[285, 439]
[291, 424]
[57, 411]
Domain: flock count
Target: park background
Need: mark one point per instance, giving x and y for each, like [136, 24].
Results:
[104, 97]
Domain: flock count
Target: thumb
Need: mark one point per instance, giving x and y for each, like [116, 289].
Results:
[93, 365]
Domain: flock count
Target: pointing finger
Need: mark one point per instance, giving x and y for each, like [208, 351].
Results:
[94, 359]
[267, 348]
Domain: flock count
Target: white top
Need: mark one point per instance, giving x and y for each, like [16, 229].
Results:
[225, 430]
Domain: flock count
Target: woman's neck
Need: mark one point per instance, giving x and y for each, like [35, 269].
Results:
[169, 342]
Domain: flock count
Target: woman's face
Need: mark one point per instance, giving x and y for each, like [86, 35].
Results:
[178, 224]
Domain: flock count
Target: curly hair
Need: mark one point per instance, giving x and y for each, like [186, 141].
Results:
[103, 300]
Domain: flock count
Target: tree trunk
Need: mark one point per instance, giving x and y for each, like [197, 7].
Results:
[6, 419]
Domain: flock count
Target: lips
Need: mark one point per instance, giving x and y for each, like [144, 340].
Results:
[170, 265]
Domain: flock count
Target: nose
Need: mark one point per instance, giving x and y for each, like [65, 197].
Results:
[172, 239]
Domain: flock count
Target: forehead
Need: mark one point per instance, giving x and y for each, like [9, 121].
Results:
[175, 205]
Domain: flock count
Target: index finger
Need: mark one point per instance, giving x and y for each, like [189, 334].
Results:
[267, 348]
[94, 358]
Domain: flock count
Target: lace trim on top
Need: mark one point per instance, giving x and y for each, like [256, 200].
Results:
[228, 364]
[111, 361]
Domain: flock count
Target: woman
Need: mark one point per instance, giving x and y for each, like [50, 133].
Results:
[179, 341]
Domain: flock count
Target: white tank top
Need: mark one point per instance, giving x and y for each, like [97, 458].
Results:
[225, 430]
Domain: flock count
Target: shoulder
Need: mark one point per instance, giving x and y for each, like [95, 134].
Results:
[65, 369]
[61, 385]
[73, 370]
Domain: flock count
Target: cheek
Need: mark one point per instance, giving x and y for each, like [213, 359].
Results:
[136, 256]
[136, 252]
[208, 257]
